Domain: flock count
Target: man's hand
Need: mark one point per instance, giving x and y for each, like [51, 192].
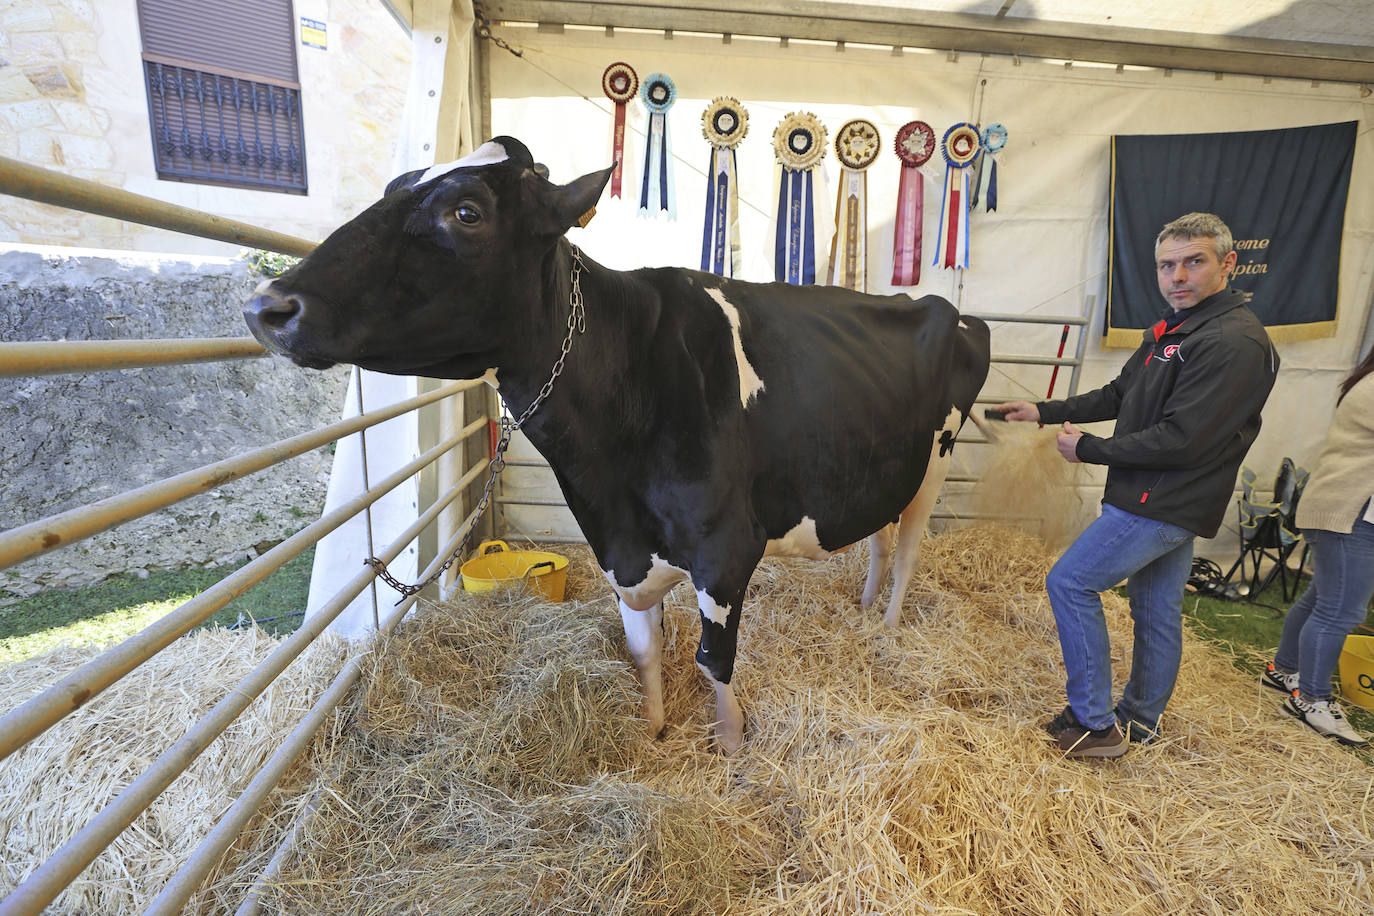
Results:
[1019, 410]
[1067, 441]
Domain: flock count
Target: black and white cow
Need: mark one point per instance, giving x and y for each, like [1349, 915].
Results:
[699, 423]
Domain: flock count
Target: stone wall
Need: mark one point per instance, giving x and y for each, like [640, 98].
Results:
[70, 440]
[72, 99]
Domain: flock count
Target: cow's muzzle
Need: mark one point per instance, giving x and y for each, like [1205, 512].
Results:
[276, 321]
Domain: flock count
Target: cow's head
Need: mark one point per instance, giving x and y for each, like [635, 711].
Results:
[432, 279]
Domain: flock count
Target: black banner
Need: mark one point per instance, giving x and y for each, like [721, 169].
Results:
[1283, 194]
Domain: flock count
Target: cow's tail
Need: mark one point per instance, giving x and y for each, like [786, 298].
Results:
[972, 358]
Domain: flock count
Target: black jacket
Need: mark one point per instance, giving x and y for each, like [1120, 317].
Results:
[1187, 407]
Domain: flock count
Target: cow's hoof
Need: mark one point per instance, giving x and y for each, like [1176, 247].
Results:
[654, 720]
[729, 740]
[892, 620]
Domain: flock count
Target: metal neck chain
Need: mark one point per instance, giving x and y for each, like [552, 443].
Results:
[577, 324]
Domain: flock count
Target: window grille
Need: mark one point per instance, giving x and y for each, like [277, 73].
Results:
[210, 127]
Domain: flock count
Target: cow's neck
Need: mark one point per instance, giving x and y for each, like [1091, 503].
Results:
[618, 317]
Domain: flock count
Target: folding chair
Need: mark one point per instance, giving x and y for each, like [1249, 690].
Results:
[1267, 530]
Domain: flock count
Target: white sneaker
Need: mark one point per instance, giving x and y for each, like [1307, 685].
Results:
[1284, 682]
[1324, 717]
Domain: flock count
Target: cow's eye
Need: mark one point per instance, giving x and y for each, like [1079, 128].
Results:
[467, 214]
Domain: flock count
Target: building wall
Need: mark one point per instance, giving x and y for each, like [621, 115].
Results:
[72, 98]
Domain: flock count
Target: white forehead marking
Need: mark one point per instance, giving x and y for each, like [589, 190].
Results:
[710, 610]
[749, 382]
[801, 541]
[490, 378]
[488, 153]
[962, 325]
[662, 576]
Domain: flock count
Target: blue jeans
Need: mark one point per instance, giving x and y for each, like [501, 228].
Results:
[1155, 559]
[1333, 605]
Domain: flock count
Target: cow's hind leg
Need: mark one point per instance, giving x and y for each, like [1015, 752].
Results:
[644, 636]
[916, 516]
[879, 543]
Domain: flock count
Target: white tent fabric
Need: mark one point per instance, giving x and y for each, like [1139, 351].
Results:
[1043, 250]
[438, 122]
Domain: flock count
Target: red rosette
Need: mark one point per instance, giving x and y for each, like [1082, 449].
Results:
[915, 143]
[620, 82]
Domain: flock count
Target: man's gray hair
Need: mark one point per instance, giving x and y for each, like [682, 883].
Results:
[1200, 225]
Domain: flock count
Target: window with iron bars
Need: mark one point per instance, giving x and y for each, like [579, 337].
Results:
[224, 92]
[221, 129]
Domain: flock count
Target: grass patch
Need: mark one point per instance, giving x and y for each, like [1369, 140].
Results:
[118, 608]
[1247, 632]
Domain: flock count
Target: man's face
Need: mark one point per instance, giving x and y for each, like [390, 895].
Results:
[1189, 270]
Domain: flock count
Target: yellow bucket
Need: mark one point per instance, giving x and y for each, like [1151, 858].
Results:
[1356, 666]
[547, 572]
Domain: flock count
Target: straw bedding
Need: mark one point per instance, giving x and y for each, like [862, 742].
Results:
[53, 786]
[492, 765]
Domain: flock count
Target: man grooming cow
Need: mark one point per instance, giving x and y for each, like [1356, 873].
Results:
[1187, 406]
[697, 424]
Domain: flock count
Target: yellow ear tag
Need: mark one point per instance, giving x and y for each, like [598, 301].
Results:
[586, 218]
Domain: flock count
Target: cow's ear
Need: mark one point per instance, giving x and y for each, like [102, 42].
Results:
[572, 200]
[402, 181]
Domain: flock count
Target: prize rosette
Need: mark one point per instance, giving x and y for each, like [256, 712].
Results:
[994, 138]
[799, 146]
[960, 147]
[658, 93]
[856, 146]
[724, 124]
[621, 84]
[914, 145]
[799, 141]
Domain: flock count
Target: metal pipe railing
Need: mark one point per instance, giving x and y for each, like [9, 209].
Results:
[30, 358]
[36, 715]
[32, 182]
[194, 870]
[44, 535]
[43, 885]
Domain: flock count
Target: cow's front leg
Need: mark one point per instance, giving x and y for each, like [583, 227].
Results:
[644, 636]
[716, 659]
[879, 542]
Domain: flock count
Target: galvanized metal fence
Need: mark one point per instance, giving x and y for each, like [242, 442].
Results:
[30, 719]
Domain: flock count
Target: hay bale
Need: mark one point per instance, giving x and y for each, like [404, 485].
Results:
[53, 786]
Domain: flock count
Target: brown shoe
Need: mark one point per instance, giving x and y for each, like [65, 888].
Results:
[1079, 741]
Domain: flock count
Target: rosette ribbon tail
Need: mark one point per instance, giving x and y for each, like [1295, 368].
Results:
[719, 239]
[618, 148]
[977, 183]
[847, 252]
[656, 188]
[906, 247]
[650, 179]
[952, 246]
[992, 187]
[795, 243]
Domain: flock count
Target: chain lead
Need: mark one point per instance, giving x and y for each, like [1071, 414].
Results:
[577, 324]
